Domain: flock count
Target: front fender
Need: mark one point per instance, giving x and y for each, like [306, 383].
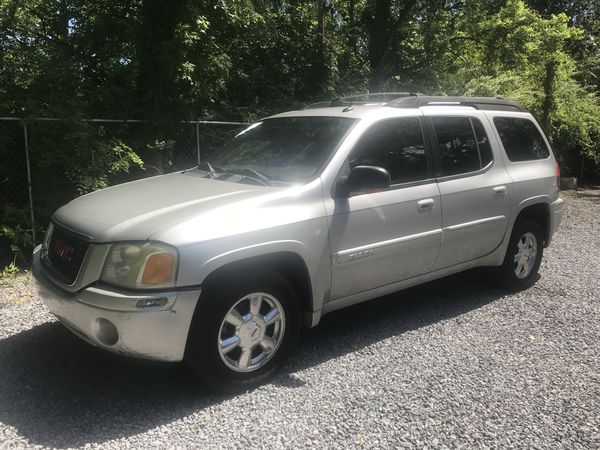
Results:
[251, 251]
[309, 243]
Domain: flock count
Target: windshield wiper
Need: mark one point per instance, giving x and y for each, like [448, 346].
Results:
[211, 171]
[254, 174]
[258, 176]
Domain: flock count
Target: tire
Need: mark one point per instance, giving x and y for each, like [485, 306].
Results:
[244, 329]
[523, 256]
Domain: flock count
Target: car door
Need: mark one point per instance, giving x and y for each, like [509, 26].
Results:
[474, 185]
[381, 238]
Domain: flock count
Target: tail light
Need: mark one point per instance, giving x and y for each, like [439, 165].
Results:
[557, 176]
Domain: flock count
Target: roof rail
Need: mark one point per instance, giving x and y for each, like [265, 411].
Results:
[416, 100]
[370, 97]
[378, 97]
[482, 103]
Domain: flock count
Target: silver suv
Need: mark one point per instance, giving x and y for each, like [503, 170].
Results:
[301, 214]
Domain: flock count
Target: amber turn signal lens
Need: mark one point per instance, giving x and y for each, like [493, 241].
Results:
[158, 268]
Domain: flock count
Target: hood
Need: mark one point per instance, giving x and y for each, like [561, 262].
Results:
[137, 210]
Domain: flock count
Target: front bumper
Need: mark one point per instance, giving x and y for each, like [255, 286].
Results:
[557, 209]
[112, 320]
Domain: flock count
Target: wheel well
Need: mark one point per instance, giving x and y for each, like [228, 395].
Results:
[289, 264]
[540, 213]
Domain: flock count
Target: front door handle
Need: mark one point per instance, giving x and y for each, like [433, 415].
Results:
[425, 204]
[500, 190]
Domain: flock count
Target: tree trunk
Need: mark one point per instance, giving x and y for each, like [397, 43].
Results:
[352, 24]
[320, 22]
[383, 37]
[378, 44]
[548, 93]
[158, 56]
[319, 73]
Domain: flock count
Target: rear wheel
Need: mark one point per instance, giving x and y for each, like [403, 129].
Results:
[243, 330]
[523, 256]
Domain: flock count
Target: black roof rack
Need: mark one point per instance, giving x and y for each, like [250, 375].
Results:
[378, 97]
[372, 97]
[416, 100]
[483, 103]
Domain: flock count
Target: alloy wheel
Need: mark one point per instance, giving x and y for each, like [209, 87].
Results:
[251, 332]
[524, 259]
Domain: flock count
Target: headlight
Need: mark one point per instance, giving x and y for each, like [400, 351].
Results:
[140, 265]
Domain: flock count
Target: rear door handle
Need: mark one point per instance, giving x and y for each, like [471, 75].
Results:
[500, 190]
[425, 203]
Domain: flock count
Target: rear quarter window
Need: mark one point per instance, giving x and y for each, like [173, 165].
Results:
[521, 139]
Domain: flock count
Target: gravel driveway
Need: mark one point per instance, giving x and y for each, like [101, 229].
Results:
[454, 363]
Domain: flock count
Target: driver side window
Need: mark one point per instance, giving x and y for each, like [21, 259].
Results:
[397, 145]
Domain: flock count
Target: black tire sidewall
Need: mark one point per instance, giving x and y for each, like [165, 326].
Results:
[202, 354]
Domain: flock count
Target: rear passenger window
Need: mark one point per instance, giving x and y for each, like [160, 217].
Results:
[397, 145]
[463, 145]
[521, 139]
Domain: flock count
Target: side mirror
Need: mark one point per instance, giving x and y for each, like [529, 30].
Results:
[363, 179]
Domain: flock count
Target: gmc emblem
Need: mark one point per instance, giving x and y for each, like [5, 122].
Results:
[62, 250]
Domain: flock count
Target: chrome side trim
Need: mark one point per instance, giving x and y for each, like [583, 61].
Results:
[393, 187]
[460, 226]
[378, 248]
[493, 259]
[458, 176]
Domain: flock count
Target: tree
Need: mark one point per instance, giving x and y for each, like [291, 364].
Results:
[521, 55]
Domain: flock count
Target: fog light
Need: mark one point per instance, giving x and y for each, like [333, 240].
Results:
[105, 332]
[151, 302]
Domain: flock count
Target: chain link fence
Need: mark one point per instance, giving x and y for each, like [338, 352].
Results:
[46, 162]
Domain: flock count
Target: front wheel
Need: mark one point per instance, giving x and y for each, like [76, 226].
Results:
[523, 256]
[243, 330]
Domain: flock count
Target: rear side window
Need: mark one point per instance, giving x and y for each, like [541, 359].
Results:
[397, 145]
[463, 145]
[521, 139]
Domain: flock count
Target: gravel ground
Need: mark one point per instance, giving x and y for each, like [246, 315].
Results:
[450, 364]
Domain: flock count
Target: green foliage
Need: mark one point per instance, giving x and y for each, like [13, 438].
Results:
[161, 146]
[107, 159]
[508, 54]
[112, 158]
[17, 239]
[122, 158]
[576, 125]
[18, 236]
[9, 272]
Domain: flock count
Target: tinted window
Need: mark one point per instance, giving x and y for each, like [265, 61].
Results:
[521, 139]
[288, 149]
[457, 146]
[396, 145]
[483, 143]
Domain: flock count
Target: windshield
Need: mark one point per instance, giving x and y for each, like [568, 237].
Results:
[288, 149]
